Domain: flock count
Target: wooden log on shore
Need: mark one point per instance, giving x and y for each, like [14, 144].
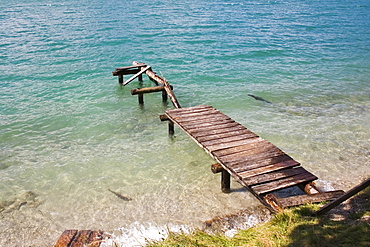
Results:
[163, 82]
[344, 197]
[75, 238]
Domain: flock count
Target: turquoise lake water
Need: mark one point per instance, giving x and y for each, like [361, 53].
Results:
[69, 132]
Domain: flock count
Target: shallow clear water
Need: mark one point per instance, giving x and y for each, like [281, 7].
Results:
[69, 132]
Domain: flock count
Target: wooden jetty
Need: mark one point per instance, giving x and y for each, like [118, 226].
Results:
[255, 163]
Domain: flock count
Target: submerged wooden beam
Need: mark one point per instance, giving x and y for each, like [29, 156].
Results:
[344, 197]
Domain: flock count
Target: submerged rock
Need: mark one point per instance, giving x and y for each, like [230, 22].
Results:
[28, 198]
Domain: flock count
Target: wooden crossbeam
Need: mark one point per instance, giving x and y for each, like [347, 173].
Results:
[143, 70]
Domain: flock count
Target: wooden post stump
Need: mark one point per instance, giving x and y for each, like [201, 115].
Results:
[225, 181]
[141, 98]
[171, 128]
[164, 96]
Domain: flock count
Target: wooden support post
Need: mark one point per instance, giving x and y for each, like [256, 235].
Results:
[344, 197]
[140, 78]
[163, 118]
[120, 79]
[225, 181]
[164, 96]
[171, 128]
[141, 98]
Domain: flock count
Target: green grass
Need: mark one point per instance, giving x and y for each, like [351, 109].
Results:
[292, 227]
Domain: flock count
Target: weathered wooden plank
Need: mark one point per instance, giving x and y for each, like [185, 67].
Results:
[189, 109]
[275, 175]
[212, 127]
[303, 199]
[81, 238]
[242, 133]
[228, 139]
[266, 169]
[95, 239]
[212, 122]
[258, 160]
[283, 183]
[201, 118]
[66, 238]
[193, 113]
[125, 72]
[344, 197]
[218, 131]
[248, 151]
[232, 147]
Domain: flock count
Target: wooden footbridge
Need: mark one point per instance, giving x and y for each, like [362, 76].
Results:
[255, 163]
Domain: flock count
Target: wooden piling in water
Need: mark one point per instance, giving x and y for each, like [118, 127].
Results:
[225, 181]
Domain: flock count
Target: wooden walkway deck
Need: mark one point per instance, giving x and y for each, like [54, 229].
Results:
[255, 163]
